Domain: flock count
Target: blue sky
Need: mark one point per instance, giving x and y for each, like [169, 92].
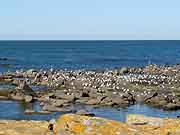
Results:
[90, 19]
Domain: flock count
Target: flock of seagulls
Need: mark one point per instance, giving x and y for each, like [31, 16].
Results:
[105, 80]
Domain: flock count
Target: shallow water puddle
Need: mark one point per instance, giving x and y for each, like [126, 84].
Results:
[15, 110]
[7, 86]
[38, 87]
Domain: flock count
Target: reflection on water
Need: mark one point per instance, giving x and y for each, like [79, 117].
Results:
[29, 106]
[6, 86]
[121, 113]
[23, 106]
[15, 110]
[38, 87]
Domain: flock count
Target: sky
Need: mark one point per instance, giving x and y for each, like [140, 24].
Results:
[89, 19]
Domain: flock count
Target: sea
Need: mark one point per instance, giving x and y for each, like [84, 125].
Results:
[73, 55]
[86, 55]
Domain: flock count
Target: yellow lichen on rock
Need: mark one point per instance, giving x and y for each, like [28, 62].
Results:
[143, 120]
[160, 126]
[136, 125]
[12, 127]
[92, 125]
[72, 124]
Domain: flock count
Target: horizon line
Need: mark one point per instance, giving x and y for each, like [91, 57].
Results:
[89, 39]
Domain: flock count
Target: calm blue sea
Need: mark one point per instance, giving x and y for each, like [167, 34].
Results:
[86, 54]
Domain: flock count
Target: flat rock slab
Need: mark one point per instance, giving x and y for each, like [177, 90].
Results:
[12, 127]
[73, 124]
[84, 125]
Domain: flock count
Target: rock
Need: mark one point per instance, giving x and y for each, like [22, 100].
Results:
[8, 80]
[15, 82]
[37, 78]
[5, 92]
[64, 132]
[24, 87]
[107, 101]
[82, 100]
[3, 59]
[30, 112]
[52, 121]
[3, 98]
[84, 94]
[59, 102]
[28, 98]
[143, 120]
[92, 102]
[139, 98]
[50, 133]
[172, 106]
[22, 92]
[84, 125]
[16, 96]
[62, 95]
[123, 70]
[85, 113]
[12, 127]
[118, 101]
[73, 124]
[52, 108]
[30, 71]
[6, 65]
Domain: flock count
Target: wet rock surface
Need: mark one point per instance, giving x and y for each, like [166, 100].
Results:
[84, 113]
[158, 86]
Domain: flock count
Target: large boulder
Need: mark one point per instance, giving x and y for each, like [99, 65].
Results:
[22, 92]
[75, 124]
[85, 125]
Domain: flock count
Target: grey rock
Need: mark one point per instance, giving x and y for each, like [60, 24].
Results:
[85, 113]
[52, 108]
[58, 102]
[24, 88]
[16, 96]
[93, 102]
[119, 101]
[172, 106]
[28, 98]
[30, 71]
[123, 70]
[62, 95]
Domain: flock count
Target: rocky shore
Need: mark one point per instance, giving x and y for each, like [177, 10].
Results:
[80, 124]
[158, 86]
